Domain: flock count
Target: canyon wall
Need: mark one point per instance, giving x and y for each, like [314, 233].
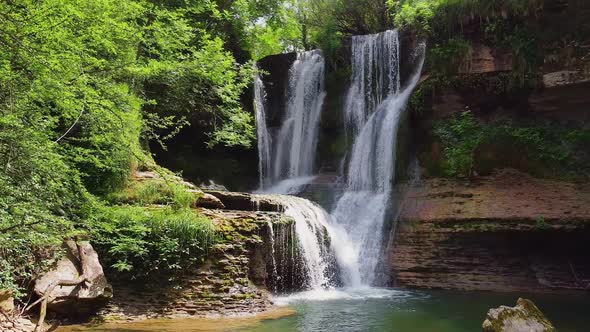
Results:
[504, 232]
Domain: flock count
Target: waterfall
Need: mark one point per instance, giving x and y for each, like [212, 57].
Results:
[375, 76]
[264, 139]
[373, 110]
[291, 155]
[298, 135]
[313, 240]
[353, 233]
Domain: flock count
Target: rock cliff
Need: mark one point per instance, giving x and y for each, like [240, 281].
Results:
[504, 232]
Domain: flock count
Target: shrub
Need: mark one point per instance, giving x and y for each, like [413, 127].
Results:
[138, 242]
[556, 150]
[157, 191]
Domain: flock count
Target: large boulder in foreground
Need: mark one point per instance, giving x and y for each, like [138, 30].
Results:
[77, 285]
[524, 317]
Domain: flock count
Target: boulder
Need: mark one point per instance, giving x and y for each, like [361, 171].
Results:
[6, 301]
[209, 201]
[524, 317]
[212, 186]
[77, 285]
[246, 202]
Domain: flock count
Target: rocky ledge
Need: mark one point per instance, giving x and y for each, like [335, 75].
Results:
[231, 282]
[505, 232]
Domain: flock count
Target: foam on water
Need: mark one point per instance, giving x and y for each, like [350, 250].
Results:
[342, 294]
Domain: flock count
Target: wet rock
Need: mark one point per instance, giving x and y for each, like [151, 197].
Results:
[246, 202]
[81, 260]
[212, 186]
[16, 324]
[209, 201]
[524, 317]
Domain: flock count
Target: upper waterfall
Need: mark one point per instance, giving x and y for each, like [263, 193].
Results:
[375, 76]
[292, 153]
[264, 139]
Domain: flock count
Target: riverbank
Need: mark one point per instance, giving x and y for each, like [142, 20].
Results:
[196, 324]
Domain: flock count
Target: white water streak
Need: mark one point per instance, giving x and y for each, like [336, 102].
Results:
[373, 111]
[298, 137]
[264, 138]
[311, 229]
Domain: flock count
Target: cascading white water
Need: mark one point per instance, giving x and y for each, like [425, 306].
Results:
[298, 135]
[291, 155]
[287, 162]
[264, 139]
[373, 110]
[374, 105]
[375, 76]
[313, 237]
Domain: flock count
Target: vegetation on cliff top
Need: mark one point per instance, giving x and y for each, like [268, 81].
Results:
[541, 147]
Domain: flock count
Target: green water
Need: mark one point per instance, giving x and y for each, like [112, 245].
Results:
[381, 310]
[423, 312]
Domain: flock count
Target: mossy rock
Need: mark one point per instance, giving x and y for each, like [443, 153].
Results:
[524, 317]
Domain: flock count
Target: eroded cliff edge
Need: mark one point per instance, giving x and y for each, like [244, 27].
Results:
[503, 232]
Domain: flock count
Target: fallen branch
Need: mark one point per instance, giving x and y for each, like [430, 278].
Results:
[9, 228]
[83, 279]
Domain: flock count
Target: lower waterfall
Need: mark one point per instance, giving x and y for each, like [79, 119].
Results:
[312, 247]
[362, 210]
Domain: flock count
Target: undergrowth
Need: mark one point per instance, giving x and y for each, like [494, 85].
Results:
[136, 242]
[544, 148]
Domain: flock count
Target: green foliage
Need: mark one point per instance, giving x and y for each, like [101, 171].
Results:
[461, 135]
[155, 192]
[85, 84]
[40, 194]
[503, 25]
[428, 17]
[139, 242]
[447, 57]
[541, 224]
[551, 149]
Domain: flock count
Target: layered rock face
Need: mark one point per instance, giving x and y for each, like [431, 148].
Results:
[505, 232]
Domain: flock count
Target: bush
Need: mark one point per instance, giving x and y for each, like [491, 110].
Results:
[461, 135]
[138, 242]
[40, 198]
[550, 149]
[157, 191]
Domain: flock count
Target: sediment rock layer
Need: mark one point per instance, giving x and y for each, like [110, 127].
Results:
[506, 232]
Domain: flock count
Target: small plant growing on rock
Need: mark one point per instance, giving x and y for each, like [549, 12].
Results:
[541, 224]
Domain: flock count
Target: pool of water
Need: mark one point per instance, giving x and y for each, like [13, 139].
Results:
[380, 310]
